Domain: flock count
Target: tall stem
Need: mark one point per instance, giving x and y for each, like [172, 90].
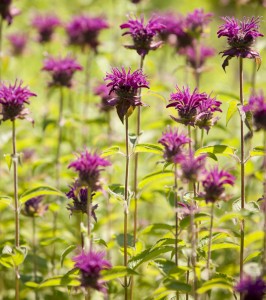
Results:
[194, 239]
[176, 221]
[34, 254]
[136, 164]
[242, 162]
[89, 217]
[264, 207]
[189, 135]
[126, 207]
[1, 49]
[17, 233]
[210, 243]
[60, 135]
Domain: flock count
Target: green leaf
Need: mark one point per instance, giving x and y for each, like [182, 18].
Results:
[149, 148]
[218, 150]
[252, 255]
[117, 272]
[222, 246]
[232, 109]
[6, 200]
[12, 257]
[71, 280]
[156, 228]
[117, 191]
[216, 283]
[40, 191]
[177, 286]
[258, 151]
[199, 217]
[147, 255]
[253, 237]
[155, 177]
[111, 151]
[68, 250]
[8, 160]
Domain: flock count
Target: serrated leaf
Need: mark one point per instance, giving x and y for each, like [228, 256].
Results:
[13, 257]
[257, 151]
[155, 177]
[117, 272]
[117, 191]
[40, 191]
[216, 283]
[218, 150]
[68, 250]
[148, 148]
[232, 109]
[71, 280]
[111, 151]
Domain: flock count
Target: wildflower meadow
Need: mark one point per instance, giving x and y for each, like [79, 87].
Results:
[133, 150]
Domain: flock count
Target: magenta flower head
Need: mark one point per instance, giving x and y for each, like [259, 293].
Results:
[186, 104]
[125, 86]
[18, 42]
[7, 12]
[102, 91]
[90, 265]
[252, 288]
[143, 35]
[84, 31]
[257, 105]
[61, 70]
[88, 166]
[214, 182]
[205, 118]
[80, 201]
[34, 207]
[196, 22]
[13, 99]
[192, 167]
[45, 25]
[197, 56]
[173, 143]
[241, 36]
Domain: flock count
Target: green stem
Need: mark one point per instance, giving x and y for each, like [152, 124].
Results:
[17, 232]
[1, 48]
[190, 140]
[126, 208]
[89, 217]
[34, 254]
[210, 243]
[194, 239]
[176, 221]
[264, 207]
[242, 162]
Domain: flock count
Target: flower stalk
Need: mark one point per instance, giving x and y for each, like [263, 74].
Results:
[210, 242]
[264, 206]
[176, 221]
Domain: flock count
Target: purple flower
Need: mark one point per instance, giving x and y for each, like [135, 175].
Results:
[252, 288]
[34, 207]
[125, 86]
[192, 167]
[90, 266]
[13, 99]
[45, 24]
[197, 56]
[88, 166]
[186, 104]
[18, 42]
[257, 105]
[80, 201]
[214, 182]
[205, 118]
[61, 70]
[6, 11]
[241, 36]
[84, 31]
[103, 91]
[143, 35]
[173, 143]
[197, 21]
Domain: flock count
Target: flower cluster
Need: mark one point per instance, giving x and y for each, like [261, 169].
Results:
[241, 36]
[252, 288]
[45, 25]
[88, 166]
[143, 35]
[13, 99]
[257, 105]
[61, 70]
[194, 109]
[6, 11]
[90, 266]
[103, 91]
[197, 56]
[18, 42]
[173, 143]
[84, 31]
[125, 86]
[192, 167]
[34, 207]
[213, 184]
[80, 201]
